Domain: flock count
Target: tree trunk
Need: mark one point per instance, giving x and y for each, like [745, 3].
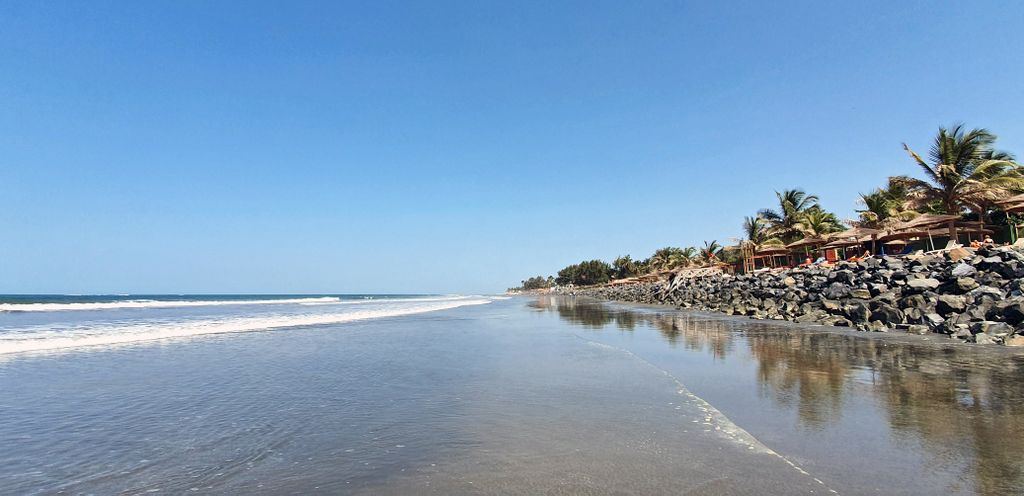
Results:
[952, 232]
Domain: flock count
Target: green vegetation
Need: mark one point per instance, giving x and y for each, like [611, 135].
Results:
[963, 175]
[538, 282]
[963, 172]
[585, 273]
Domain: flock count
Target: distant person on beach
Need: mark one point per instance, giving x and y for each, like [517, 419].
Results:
[988, 240]
[975, 244]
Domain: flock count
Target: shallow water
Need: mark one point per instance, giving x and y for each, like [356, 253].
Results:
[519, 396]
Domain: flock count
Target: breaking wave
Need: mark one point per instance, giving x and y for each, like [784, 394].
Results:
[114, 305]
[53, 339]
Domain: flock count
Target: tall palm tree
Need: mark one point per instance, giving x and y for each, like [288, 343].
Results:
[754, 229]
[963, 171]
[757, 232]
[785, 222]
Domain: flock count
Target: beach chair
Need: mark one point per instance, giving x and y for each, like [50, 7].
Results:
[952, 244]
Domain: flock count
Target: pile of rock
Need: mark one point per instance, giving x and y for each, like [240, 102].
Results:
[976, 296]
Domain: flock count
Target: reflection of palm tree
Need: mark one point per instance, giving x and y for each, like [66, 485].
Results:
[967, 409]
[963, 171]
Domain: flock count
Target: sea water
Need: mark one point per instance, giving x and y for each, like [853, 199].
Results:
[307, 394]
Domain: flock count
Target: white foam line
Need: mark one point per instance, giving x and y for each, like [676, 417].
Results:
[124, 304]
[724, 426]
[139, 333]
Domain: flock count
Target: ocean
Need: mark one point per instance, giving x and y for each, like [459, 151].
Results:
[57, 323]
[426, 394]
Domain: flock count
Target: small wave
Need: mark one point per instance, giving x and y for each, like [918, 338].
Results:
[385, 299]
[115, 305]
[130, 334]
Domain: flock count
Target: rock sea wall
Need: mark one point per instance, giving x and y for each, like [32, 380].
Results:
[974, 296]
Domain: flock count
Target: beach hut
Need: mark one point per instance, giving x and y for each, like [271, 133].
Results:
[852, 237]
[769, 255]
[806, 244]
[1013, 205]
[844, 243]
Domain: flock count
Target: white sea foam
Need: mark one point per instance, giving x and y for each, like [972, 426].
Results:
[113, 305]
[50, 340]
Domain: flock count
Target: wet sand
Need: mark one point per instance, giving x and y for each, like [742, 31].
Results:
[521, 396]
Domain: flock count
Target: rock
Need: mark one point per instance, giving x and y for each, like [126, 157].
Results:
[857, 312]
[837, 291]
[980, 293]
[887, 314]
[862, 294]
[877, 326]
[918, 329]
[963, 270]
[914, 301]
[948, 304]
[965, 284]
[958, 254]
[982, 338]
[913, 315]
[923, 284]
[808, 318]
[1013, 312]
[933, 320]
[1015, 340]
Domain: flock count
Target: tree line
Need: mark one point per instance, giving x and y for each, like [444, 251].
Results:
[962, 174]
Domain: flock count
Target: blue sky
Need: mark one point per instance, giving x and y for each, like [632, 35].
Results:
[455, 146]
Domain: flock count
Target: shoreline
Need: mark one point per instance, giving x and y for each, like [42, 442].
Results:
[896, 337]
[974, 296]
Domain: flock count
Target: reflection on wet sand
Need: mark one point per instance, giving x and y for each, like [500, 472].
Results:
[957, 403]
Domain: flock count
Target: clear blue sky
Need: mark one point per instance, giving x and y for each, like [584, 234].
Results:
[455, 147]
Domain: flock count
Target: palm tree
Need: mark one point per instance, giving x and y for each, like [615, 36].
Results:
[686, 256]
[663, 258]
[754, 229]
[672, 257]
[884, 207]
[963, 171]
[624, 266]
[710, 252]
[785, 222]
[816, 222]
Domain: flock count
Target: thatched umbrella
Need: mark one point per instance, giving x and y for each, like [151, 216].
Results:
[806, 242]
[908, 234]
[926, 221]
[855, 232]
[1011, 200]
